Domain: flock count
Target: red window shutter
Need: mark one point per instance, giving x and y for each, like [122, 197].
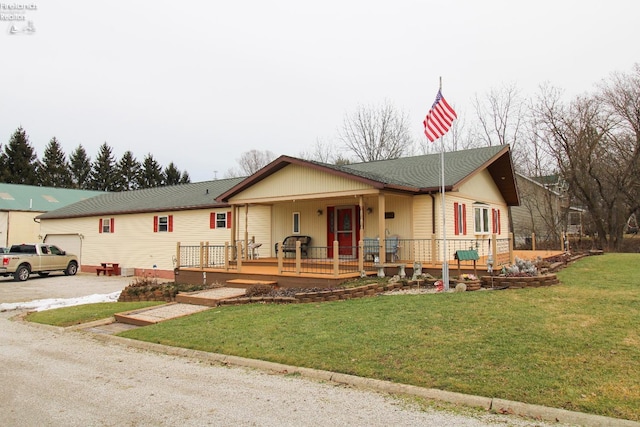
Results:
[464, 219]
[170, 223]
[100, 226]
[113, 225]
[499, 231]
[455, 219]
[493, 220]
[212, 220]
[229, 219]
[155, 224]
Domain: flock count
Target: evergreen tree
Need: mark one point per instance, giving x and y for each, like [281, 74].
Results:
[103, 170]
[20, 160]
[171, 175]
[53, 170]
[151, 173]
[80, 166]
[128, 171]
[185, 179]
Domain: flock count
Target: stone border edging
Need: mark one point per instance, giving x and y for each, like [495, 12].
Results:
[500, 406]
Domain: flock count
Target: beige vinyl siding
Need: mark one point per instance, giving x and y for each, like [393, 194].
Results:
[481, 188]
[422, 217]
[134, 244]
[400, 225]
[297, 182]
[311, 224]
[22, 228]
[258, 225]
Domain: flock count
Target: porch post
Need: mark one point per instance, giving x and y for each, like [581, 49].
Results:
[434, 249]
[234, 221]
[239, 256]
[206, 254]
[298, 257]
[494, 247]
[280, 256]
[246, 231]
[381, 228]
[201, 255]
[336, 258]
[177, 255]
[226, 255]
[512, 259]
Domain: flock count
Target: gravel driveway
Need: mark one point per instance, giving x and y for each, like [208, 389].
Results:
[54, 377]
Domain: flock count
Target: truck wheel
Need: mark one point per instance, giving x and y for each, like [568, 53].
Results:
[21, 274]
[72, 269]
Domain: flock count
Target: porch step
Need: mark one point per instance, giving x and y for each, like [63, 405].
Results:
[210, 297]
[250, 282]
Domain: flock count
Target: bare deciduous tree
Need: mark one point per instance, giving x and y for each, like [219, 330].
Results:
[501, 116]
[591, 148]
[251, 162]
[376, 133]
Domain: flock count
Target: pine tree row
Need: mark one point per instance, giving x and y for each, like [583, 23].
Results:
[19, 164]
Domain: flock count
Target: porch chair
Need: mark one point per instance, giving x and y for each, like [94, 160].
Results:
[391, 244]
[371, 246]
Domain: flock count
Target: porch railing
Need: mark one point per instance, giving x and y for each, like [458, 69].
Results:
[335, 260]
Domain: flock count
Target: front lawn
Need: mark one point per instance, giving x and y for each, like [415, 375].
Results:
[78, 314]
[574, 346]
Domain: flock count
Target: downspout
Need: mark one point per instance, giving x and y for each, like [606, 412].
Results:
[433, 213]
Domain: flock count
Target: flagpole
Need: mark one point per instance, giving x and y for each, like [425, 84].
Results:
[437, 122]
[445, 263]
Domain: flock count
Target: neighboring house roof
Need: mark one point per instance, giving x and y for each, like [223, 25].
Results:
[419, 174]
[19, 197]
[199, 195]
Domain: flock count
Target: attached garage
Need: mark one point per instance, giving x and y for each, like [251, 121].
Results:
[70, 243]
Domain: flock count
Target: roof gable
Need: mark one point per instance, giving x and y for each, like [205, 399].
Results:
[418, 174]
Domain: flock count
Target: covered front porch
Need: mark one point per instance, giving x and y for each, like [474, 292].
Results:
[330, 266]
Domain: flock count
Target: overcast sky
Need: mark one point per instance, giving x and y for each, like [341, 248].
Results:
[199, 83]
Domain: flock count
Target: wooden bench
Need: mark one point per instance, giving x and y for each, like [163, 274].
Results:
[289, 245]
[399, 265]
[104, 271]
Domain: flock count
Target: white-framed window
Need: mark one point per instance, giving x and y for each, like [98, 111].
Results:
[296, 223]
[221, 220]
[163, 223]
[106, 225]
[481, 218]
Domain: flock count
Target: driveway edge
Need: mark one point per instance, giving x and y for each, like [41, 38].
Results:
[497, 405]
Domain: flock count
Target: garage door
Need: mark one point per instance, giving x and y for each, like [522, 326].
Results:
[70, 243]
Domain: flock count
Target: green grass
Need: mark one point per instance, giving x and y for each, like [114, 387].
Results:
[574, 346]
[75, 315]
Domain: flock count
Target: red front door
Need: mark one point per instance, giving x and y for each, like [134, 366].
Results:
[343, 226]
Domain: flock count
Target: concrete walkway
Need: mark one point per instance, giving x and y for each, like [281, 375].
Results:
[187, 303]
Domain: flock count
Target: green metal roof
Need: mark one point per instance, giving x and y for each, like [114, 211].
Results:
[171, 198]
[18, 197]
[425, 171]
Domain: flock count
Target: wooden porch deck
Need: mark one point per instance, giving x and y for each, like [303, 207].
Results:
[319, 273]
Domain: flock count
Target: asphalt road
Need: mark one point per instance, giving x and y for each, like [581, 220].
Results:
[53, 377]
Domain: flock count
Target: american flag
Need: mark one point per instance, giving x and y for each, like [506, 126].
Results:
[439, 118]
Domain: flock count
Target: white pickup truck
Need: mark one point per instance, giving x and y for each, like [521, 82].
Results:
[23, 260]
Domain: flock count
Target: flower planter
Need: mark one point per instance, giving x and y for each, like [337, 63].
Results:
[519, 282]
